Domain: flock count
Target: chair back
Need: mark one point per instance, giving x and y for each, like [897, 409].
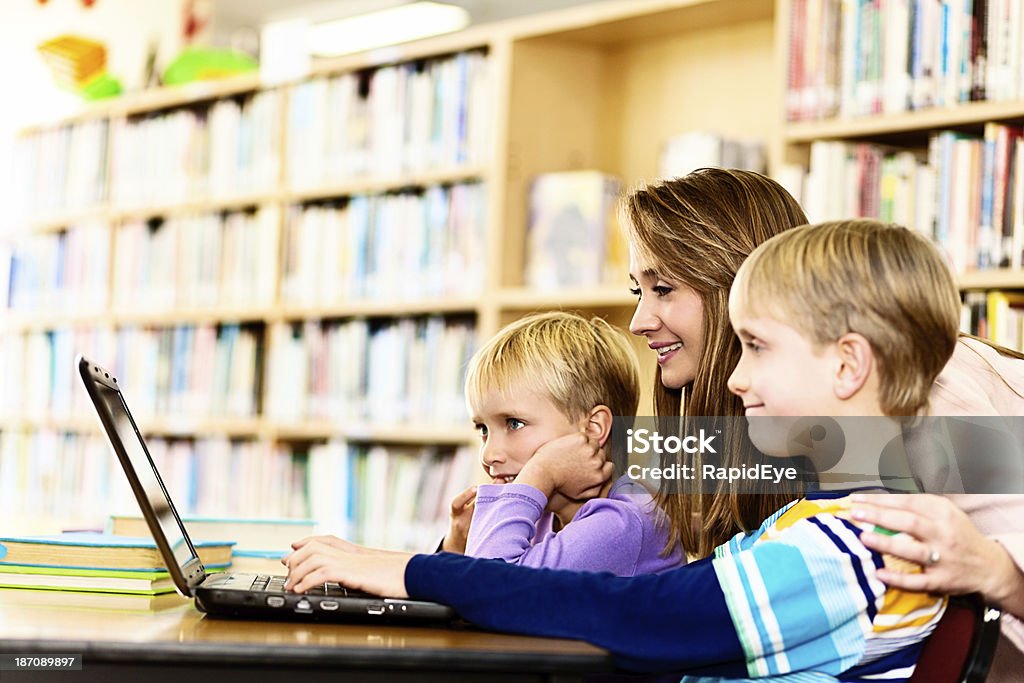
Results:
[961, 647]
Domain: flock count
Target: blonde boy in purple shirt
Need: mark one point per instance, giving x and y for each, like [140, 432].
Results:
[541, 386]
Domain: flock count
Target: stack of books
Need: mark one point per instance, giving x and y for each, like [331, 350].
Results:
[95, 562]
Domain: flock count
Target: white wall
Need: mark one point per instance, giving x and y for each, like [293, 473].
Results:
[125, 26]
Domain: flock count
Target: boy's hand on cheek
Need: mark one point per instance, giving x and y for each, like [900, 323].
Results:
[459, 517]
[320, 559]
[573, 465]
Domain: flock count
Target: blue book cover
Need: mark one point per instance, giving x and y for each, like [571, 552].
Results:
[95, 550]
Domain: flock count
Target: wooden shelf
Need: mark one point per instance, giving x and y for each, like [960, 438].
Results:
[383, 308]
[258, 427]
[611, 23]
[371, 185]
[177, 426]
[20, 321]
[991, 279]
[345, 188]
[187, 426]
[524, 299]
[59, 221]
[191, 316]
[969, 114]
[377, 433]
[234, 203]
[388, 308]
[77, 424]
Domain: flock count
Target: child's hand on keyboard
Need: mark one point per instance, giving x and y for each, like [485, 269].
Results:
[317, 560]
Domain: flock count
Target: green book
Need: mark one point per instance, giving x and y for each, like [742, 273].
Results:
[94, 580]
[91, 580]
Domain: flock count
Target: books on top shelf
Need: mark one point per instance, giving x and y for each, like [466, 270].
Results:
[861, 58]
[573, 237]
[406, 118]
[699, 149]
[61, 169]
[222, 150]
[86, 550]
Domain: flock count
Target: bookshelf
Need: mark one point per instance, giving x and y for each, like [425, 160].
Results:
[596, 87]
[926, 117]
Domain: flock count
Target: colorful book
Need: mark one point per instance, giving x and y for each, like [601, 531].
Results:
[96, 551]
[573, 236]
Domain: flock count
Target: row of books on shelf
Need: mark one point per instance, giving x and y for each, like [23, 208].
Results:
[61, 168]
[404, 370]
[399, 246]
[850, 58]
[384, 371]
[857, 58]
[206, 260]
[388, 496]
[65, 271]
[228, 148]
[433, 114]
[201, 370]
[966, 192]
[405, 118]
[995, 315]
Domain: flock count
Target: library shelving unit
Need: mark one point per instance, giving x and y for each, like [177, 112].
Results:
[912, 111]
[196, 239]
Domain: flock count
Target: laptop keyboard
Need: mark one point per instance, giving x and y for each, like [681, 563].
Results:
[275, 584]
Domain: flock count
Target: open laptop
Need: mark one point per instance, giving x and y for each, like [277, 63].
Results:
[226, 594]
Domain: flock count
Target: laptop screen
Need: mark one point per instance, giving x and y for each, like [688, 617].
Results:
[142, 474]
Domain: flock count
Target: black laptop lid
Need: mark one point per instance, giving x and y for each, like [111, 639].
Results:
[157, 508]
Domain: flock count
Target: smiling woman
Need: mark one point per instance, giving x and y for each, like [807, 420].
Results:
[688, 236]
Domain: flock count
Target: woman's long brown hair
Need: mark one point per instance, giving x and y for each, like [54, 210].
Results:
[697, 230]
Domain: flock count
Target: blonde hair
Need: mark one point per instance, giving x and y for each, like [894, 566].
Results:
[879, 280]
[577, 363]
[697, 230]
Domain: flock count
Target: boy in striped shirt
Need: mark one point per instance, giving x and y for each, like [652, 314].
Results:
[851, 320]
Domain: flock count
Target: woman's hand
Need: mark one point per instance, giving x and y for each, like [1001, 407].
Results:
[460, 514]
[319, 559]
[573, 465]
[939, 536]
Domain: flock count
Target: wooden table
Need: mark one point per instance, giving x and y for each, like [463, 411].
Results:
[176, 642]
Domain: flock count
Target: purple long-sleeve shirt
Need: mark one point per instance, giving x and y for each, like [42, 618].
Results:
[617, 534]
